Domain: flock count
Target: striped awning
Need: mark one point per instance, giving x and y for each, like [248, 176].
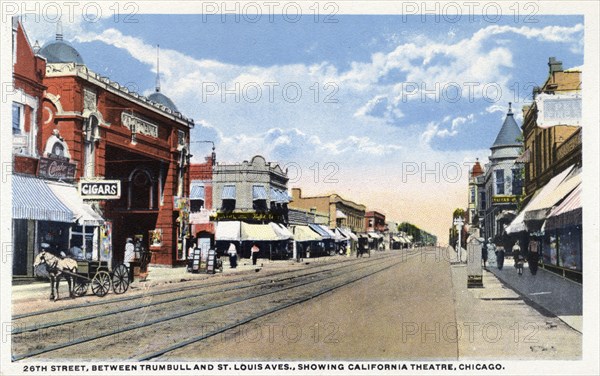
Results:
[259, 192]
[350, 234]
[33, 199]
[305, 234]
[341, 235]
[279, 196]
[324, 234]
[197, 192]
[228, 192]
[567, 213]
[83, 213]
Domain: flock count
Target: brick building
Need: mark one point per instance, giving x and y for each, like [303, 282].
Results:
[94, 130]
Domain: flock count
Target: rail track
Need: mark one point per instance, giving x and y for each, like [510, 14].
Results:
[293, 287]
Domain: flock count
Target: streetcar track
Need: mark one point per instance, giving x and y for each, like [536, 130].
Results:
[163, 292]
[182, 314]
[256, 316]
[269, 283]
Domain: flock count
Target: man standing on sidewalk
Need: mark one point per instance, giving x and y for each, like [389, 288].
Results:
[254, 252]
[533, 256]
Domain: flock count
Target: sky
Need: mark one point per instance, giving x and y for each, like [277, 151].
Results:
[385, 110]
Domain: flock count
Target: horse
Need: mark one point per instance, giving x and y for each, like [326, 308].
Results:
[57, 268]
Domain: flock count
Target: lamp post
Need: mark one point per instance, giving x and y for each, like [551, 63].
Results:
[459, 222]
[213, 155]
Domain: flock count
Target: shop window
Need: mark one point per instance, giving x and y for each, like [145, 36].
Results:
[499, 182]
[82, 243]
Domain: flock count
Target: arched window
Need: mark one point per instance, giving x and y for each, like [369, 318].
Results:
[141, 190]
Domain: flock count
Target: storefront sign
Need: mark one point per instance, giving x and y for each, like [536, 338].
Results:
[243, 216]
[137, 125]
[53, 168]
[504, 199]
[100, 189]
[558, 109]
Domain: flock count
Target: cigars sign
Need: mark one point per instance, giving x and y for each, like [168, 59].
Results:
[100, 189]
[56, 168]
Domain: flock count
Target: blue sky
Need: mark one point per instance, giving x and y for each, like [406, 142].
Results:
[371, 115]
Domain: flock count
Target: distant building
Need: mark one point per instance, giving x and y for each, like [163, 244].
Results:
[476, 193]
[201, 199]
[503, 181]
[375, 221]
[342, 212]
[254, 191]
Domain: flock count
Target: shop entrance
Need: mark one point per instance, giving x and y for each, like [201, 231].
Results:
[135, 214]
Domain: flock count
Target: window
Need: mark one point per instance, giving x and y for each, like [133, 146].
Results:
[482, 198]
[473, 195]
[499, 182]
[259, 198]
[141, 190]
[517, 182]
[91, 136]
[196, 197]
[17, 118]
[228, 198]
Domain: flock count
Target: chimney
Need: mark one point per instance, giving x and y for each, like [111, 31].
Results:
[555, 65]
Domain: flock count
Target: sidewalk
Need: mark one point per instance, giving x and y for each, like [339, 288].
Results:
[498, 322]
[557, 295]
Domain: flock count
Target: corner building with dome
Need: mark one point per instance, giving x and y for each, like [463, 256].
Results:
[125, 155]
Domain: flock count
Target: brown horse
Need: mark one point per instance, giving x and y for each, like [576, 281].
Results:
[55, 267]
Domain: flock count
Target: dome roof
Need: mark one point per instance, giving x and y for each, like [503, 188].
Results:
[509, 133]
[160, 98]
[60, 52]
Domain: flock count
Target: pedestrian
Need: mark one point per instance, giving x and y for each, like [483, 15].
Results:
[348, 249]
[232, 252]
[484, 255]
[519, 263]
[533, 256]
[254, 252]
[516, 252]
[500, 256]
[491, 252]
[129, 256]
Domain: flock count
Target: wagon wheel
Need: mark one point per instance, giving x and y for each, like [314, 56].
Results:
[101, 283]
[81, 286]
[120, 279]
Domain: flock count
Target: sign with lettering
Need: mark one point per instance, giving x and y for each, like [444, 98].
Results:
[243, 216]
[558, 109]
[53, 168]
[138, 125]
[504, 199]
[100, 189]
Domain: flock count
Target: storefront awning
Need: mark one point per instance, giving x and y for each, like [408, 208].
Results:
[228, 231]
[279, 196]
[328, 231]
[251, 232]
[324, 234]
[518, 224]
[281, 231]
[83, 213]
[228, 192]
[197, 192]
[340, 236]
[539, 209]
[349, 233]
[568, 213]
[259, 192]
[33, 199]
[305, 234]
[374, 235]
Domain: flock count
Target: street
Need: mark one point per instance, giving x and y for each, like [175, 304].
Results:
[394, 305]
